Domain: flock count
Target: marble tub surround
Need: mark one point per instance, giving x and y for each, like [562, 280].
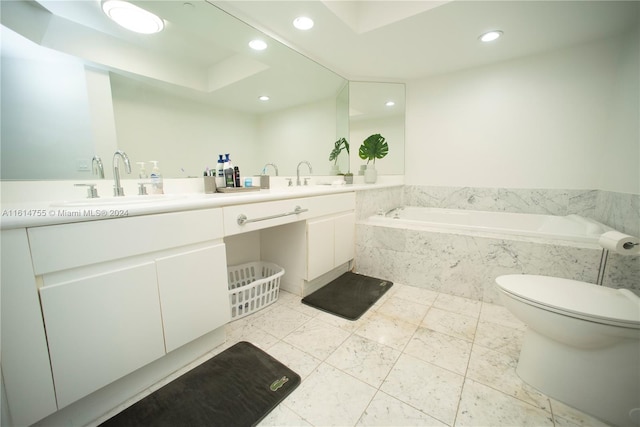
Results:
[401, 367]
[617, 210]
[466, 265]
[370, 202]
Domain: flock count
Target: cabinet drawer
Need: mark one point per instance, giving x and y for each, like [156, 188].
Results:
[270, 214]
[60, 247]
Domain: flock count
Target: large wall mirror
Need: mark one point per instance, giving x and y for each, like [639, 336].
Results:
[75, 85]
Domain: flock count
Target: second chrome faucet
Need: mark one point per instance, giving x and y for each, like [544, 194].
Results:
[117, 188]
[304, 162]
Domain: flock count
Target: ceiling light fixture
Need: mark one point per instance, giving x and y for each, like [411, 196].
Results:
[303, 23]
[389, 103]
[490, 36]
[258, 44]
[264, 98]
[132, 17]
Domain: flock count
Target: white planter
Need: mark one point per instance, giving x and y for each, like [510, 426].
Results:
[371, 174]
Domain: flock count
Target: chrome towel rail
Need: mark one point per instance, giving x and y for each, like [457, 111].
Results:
[242, 218]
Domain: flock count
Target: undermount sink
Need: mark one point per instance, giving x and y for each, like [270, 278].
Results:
[119, 201]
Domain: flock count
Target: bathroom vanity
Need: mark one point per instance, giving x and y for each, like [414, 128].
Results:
[95, 311]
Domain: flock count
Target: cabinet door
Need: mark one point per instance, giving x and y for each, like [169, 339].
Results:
[100, 328]
[320, 247]
[26, 370]
[345, 239]
[193, 294]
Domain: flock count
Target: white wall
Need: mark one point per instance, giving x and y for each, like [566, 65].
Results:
[546, 121]
[392, 129]
[306, 132]
[179, 133]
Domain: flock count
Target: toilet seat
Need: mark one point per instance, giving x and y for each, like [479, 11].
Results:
[617, 307]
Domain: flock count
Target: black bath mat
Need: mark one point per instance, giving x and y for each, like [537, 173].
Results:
[348, 296]
[238, 387]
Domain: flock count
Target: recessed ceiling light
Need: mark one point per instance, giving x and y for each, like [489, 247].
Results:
[132, 17]
[258, 44]
[389, 103]
[264, 98]
[303, 23]
[490, 36]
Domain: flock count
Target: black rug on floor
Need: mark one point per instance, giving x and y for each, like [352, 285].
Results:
[348, 296]
[238, 387]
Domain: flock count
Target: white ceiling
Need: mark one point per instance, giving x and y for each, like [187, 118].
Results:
[403, 40]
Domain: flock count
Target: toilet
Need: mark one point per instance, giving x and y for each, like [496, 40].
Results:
[582, 344]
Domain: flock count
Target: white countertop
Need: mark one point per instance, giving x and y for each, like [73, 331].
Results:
[22, 213]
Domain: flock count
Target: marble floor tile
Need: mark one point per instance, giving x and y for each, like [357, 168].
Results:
[450, 323]
[499, 338]
[429, 388]
[366, 360]
[281, 321]
[385, 410]
[402, 309]
[317, 338]
[299, 361]
[419, 295]
[498, 370]
[440, 349]
[396, 366]
[330, 397]
[483, 406]
[459, 305]
[498, 314]
[388, 331]
[342, 323]
[282, 416]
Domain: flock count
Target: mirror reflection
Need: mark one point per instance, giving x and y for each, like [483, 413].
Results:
[377, 108]
[74, 85]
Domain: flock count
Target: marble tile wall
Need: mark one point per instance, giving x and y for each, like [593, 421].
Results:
[466, 265]
[617, 210]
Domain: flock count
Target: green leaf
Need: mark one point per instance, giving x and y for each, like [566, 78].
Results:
[374, 147]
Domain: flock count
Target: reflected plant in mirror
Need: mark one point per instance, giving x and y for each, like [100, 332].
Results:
[339, 145]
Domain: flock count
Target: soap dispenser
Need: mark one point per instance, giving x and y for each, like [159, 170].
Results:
[142, 173]
[156, 179]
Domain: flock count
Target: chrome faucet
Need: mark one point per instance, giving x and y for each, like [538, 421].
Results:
[264, 169]
[96, 165]
[117, 189]
[304, 162]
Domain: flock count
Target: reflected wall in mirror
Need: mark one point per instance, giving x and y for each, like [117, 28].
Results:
[179, 97]
[378, 108]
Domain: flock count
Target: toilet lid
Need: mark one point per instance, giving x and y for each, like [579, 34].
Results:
[573, 297]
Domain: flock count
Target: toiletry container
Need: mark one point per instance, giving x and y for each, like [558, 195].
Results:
[220, 182]
[156, 179]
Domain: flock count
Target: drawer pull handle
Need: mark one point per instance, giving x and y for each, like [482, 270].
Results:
[242, 218]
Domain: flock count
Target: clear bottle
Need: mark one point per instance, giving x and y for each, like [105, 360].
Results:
[220, 182]
[142, 172]
[156, 179]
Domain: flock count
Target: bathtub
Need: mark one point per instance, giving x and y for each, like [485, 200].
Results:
[571, 228]
[461, 252]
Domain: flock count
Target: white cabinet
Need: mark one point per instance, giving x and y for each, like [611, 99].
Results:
[118, 294]
[330, 243]
[191, 304]
[101, 328]
[26, 371]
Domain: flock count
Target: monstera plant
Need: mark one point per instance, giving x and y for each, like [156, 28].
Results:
[372, 148]
[338, 146]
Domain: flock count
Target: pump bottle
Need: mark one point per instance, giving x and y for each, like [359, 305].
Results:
[156, 179]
